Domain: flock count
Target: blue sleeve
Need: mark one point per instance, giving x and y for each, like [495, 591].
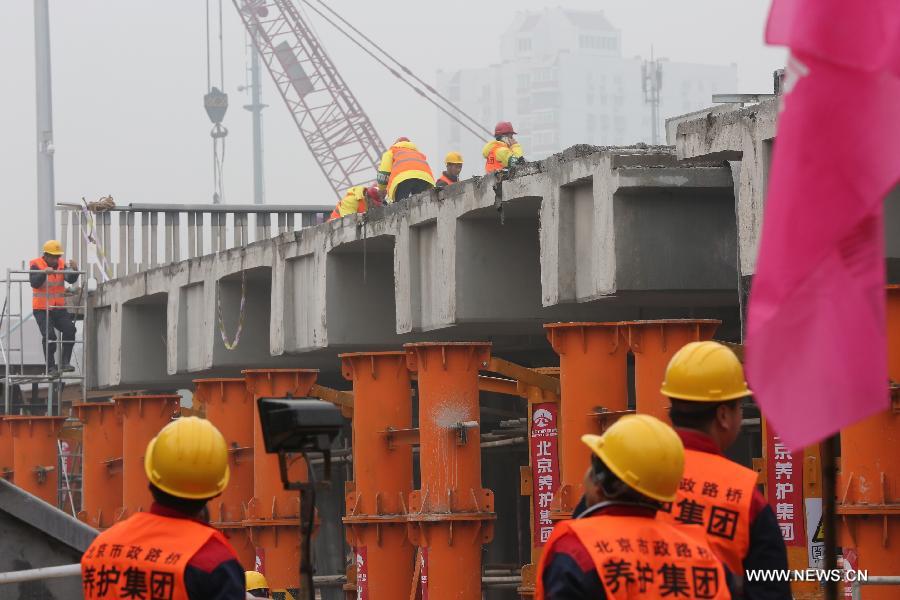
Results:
[563, 579]
[37, 277]
[225, 582]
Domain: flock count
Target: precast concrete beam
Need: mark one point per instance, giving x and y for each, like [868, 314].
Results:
[588, 234]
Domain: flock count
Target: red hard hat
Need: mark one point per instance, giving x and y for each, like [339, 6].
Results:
[401, 139]
[504, 128]
[373, 194]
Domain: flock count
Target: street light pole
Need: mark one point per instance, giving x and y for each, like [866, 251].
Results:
[46, 209]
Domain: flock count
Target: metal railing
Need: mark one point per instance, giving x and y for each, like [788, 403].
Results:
[857, 585]
[134, 238]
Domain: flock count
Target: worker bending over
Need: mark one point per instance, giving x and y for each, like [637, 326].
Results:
[503, 151]
[49, 303]
[257, 586]
[705, 382]
[404, 171]
[617, 548]
[170, 553]
[358, 199]
[454, 162]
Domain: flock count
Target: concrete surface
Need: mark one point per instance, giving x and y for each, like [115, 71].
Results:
[591, 233]
[34, 534]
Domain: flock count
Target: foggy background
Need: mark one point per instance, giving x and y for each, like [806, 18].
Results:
[129, 78]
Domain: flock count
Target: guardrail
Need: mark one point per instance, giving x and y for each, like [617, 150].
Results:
[134, 238]
[856, 586]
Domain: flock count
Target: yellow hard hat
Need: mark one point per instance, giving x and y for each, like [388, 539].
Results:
[53, 247]
[453, 158]
[188, 458]
[642, 451]
[705, 372]
[256, 581]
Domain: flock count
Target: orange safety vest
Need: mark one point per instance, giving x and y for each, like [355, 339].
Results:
[447, 181]
[642, 557]
[716, 493]
[53, 291]
[492, 163]
[361, 207]
[144, 556]
[406, 159]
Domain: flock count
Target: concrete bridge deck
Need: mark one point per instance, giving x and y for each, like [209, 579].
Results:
[592, 233]
[589, 234]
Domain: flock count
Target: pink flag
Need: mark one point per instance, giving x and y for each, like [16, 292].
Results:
[816, 341]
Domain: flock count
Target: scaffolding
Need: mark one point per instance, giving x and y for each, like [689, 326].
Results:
[20, 369]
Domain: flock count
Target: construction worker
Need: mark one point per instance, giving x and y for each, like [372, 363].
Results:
[170, 552]
[705, 382]
[257, 586]
[358, 199]
[503, 151]
[403, 171]
[48, 303]
[454, 162]
[617, 548]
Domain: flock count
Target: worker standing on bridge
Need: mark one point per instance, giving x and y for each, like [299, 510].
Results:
[170, 553]
[503, 151]
[617, 548]
[404, 171]
[358, 199]
[454, 162]
[49, 303]
[705, 382]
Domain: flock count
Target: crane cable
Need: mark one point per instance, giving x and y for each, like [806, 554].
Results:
[216, 103]
[396, 74]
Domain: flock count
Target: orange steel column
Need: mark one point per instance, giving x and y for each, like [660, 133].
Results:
[36, 455]
[227, 404]
[592, 373]
[273, 512]
[142, 418]
[382, 473]
[869, 490]
[101, 471]
[6, 451]
[653, 343]
[451, 516]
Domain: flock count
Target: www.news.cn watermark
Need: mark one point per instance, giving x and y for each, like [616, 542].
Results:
[813, 575]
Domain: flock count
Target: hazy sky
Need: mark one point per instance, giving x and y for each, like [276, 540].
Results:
[129, 77]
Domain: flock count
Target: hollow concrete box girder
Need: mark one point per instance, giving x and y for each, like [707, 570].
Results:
[573, 237]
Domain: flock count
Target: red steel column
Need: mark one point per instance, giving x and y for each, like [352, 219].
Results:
[592, 373]
[36, 455]
[228, 405]
[101, 470]
[6, 451]
[653, 344]
[382, 473]
[451, 516]
[142, 418]
[273, 513]
[870, 478]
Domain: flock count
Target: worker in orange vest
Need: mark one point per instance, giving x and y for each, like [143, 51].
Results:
[617, 549]
[403, 171]
[454, 162]
[170, 552]
[358, 199]
[49, 303]
[705, 383]
[503, 151]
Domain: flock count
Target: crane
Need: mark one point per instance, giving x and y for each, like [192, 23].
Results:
[334, 125]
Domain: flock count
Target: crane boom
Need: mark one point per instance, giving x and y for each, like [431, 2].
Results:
[336, 129]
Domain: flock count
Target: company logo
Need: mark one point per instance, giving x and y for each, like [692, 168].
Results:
[542, 418]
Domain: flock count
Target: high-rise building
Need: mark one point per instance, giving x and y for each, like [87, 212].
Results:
[562, 80]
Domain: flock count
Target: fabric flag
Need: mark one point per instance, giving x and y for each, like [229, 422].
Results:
[816, 347]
